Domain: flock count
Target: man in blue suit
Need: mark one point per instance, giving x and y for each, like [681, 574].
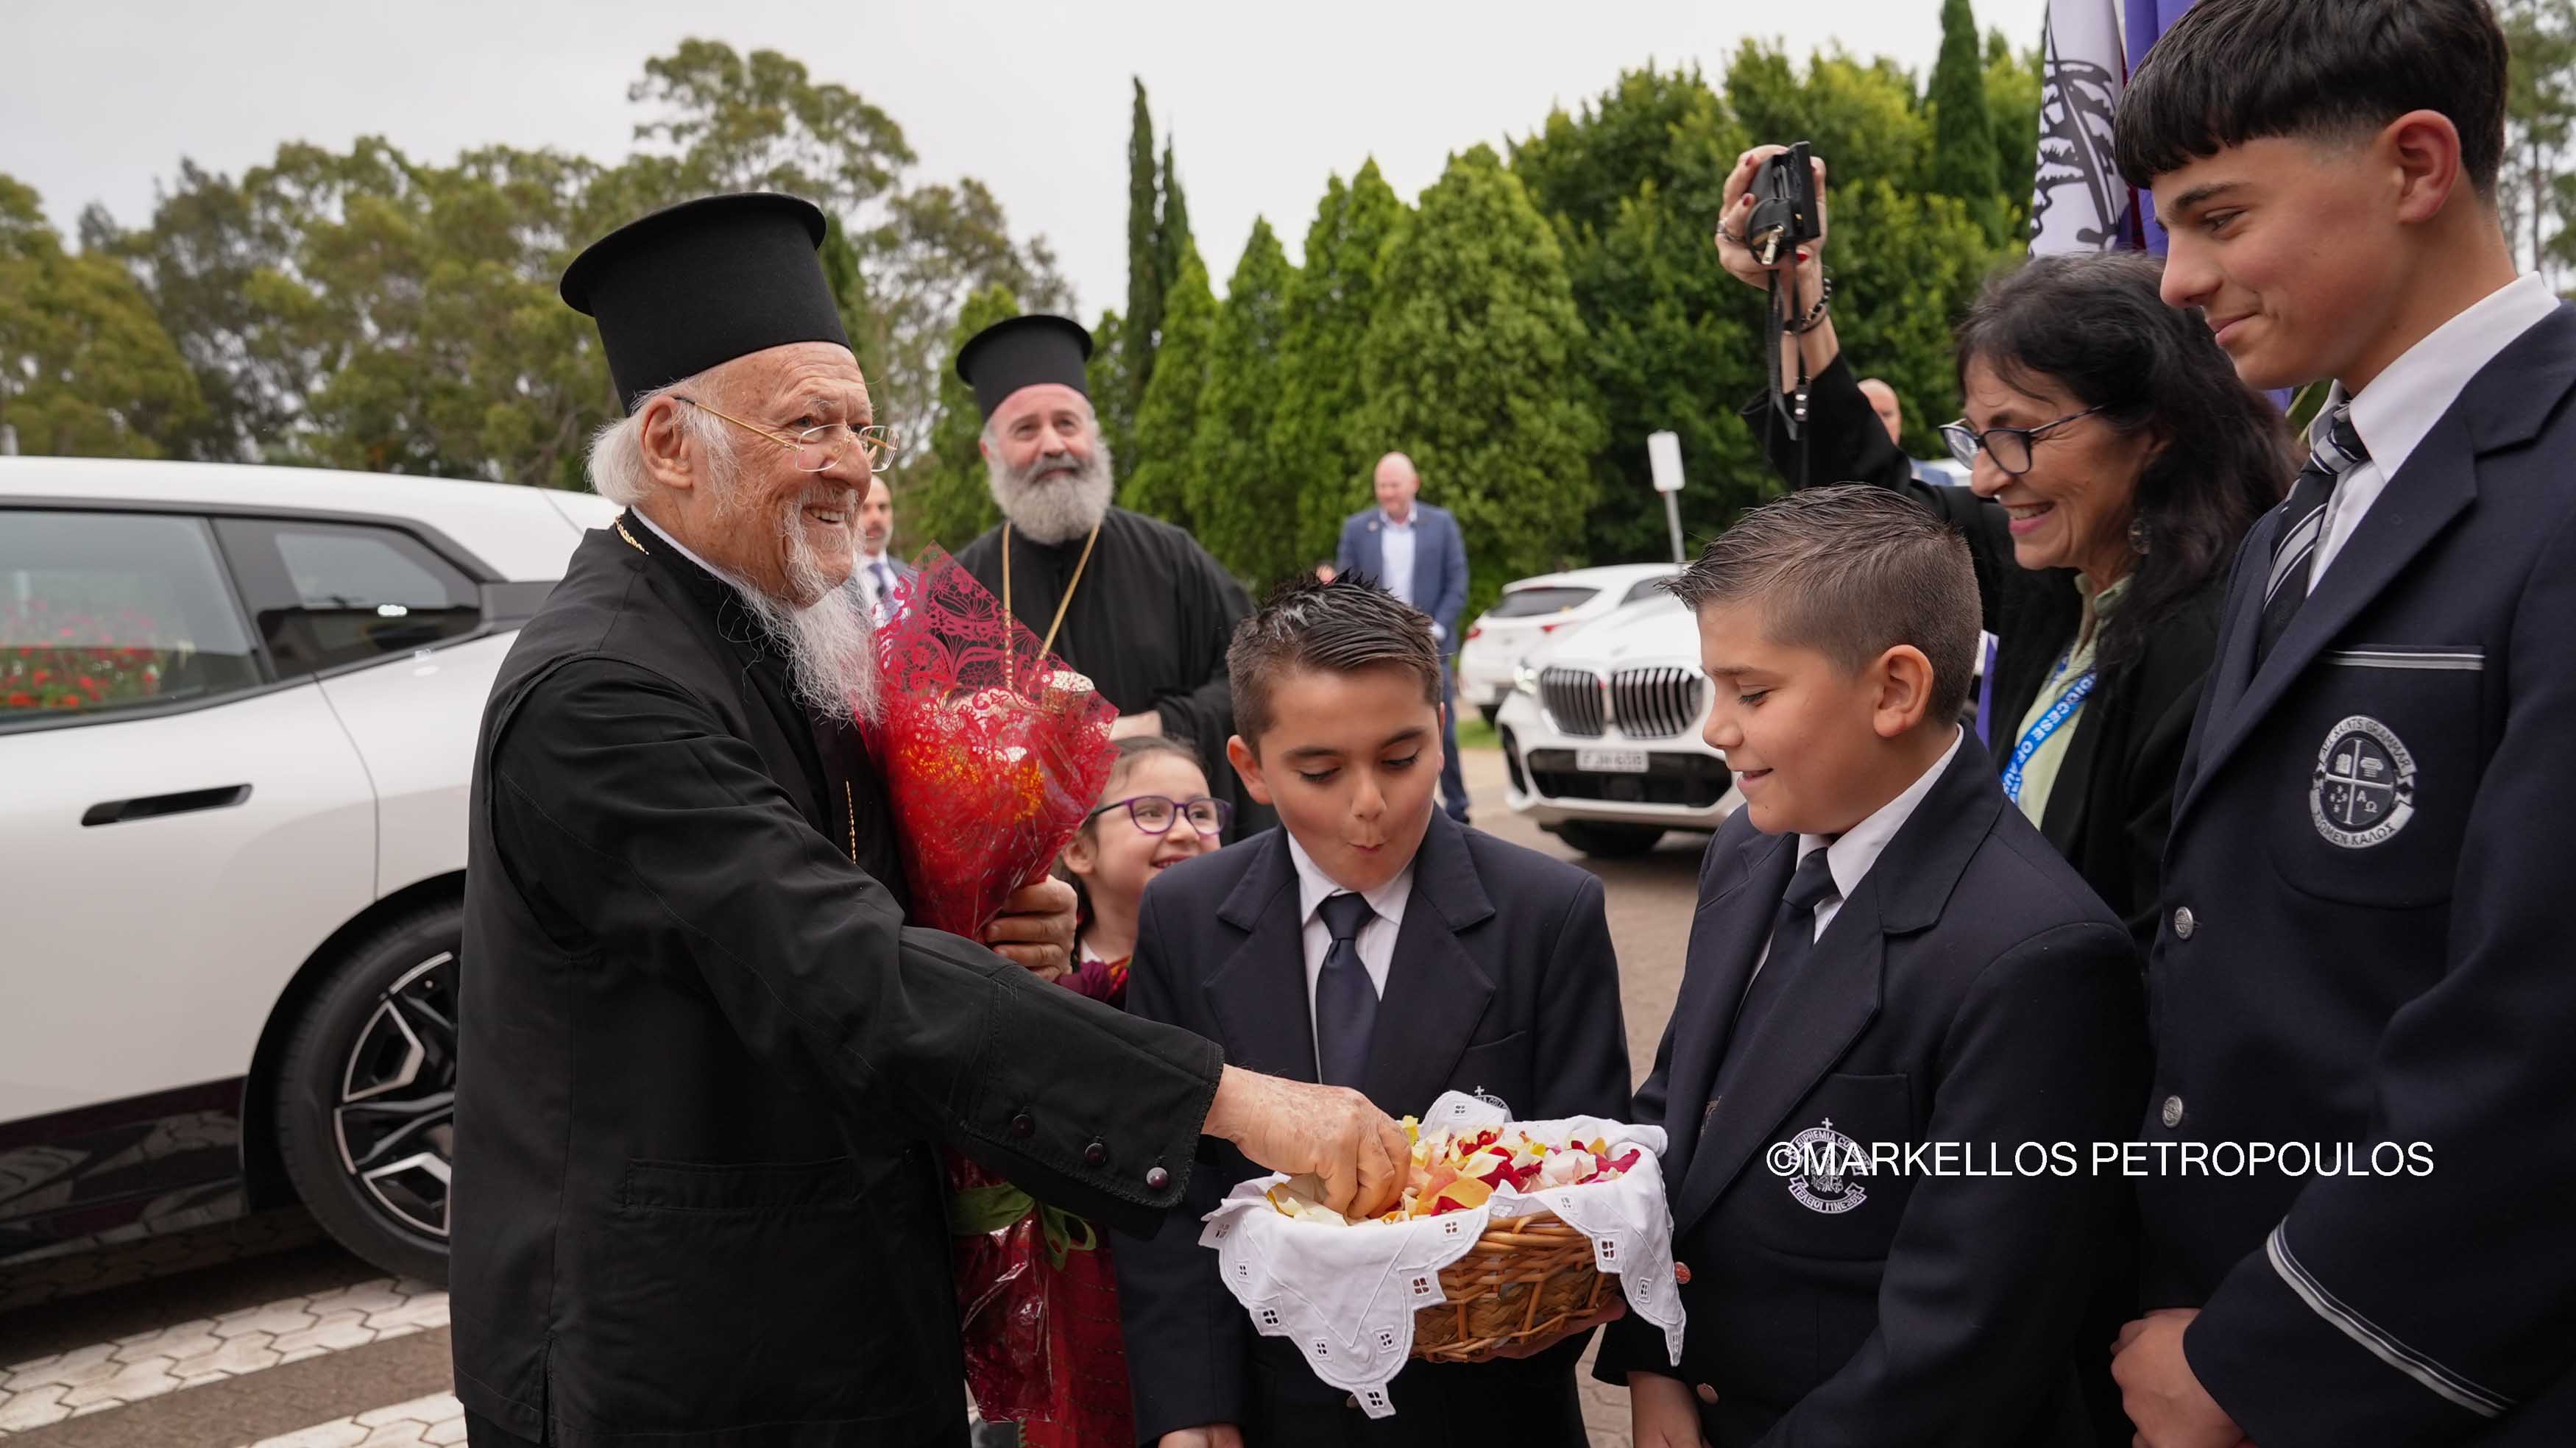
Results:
[879, 571]
[1415, 551]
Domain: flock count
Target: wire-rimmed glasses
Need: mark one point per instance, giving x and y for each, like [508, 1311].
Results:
[817, 448]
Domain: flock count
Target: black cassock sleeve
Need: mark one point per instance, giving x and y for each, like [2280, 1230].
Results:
[626, 801]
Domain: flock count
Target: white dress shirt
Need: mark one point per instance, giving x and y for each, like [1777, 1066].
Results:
[1376, 942]
[867, 576]
[2396, 412]
[1848, 858]
[1395, 554]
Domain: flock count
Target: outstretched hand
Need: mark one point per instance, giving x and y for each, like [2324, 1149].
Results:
[1330, 1132]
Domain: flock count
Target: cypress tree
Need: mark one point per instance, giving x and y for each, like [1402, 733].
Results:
[1172, 237]
[1144, 260]
[1322, 459]
[1963, 142]
[1167, 421]
[1236, 491]
[1473, 366]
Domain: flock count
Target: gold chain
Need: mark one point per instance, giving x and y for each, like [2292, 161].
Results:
[852, 811]
[1047, 645]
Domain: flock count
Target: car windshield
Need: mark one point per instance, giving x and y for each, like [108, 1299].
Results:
[1534, 602]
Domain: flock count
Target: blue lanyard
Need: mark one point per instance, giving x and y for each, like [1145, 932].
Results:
[2048, 724]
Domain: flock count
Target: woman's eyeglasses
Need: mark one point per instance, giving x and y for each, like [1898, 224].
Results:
[1154, 813]
[2008, 446]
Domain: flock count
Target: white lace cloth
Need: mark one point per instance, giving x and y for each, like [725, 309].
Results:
[1346, 1295]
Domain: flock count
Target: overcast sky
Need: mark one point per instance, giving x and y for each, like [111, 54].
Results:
[100, 98]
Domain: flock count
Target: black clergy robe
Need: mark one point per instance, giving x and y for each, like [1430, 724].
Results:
[704, 1066]
[1149, 625]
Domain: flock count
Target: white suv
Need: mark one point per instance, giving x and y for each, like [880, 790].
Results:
[237, 719]
[1533, 613]
[1601, 738]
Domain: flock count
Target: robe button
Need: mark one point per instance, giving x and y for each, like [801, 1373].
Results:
[1096, 1154]
[1023, 1126]
[1157, 1179]
[2172, 1113]
[1707, 1394]
[2184, 922]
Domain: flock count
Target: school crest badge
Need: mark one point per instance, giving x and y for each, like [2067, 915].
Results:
[1827, 1163]
[2363, 791]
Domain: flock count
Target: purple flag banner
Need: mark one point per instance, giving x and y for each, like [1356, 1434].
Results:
[2147, 20]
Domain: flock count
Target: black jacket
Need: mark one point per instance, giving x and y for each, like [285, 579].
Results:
[2365, 942]
[704, 1066]
[1973, 992]
[2113, 799]
[1503, 981]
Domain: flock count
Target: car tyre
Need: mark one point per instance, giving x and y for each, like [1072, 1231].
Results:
[1492, 713]
[366, 1094]
[1608, 841]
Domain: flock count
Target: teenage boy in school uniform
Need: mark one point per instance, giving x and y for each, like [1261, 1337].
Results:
[1886, 955]
[1369, 941]
[2364, 946]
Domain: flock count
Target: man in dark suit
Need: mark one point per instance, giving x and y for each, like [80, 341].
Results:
[2362, 963]
[1368, 941]
[1416, 552]
[878, 571]
[1887, 956]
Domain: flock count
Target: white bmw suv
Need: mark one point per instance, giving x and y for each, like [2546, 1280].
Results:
[1602, 736]
[237, 720]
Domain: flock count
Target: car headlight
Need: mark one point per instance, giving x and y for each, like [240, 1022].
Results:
[1525, 680]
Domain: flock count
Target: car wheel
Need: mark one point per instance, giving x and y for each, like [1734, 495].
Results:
[1492, 712]
[1609, 842]
[366, 1094]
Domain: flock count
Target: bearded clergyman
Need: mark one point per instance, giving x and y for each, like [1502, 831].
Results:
[1130, 601]
[704, 1067]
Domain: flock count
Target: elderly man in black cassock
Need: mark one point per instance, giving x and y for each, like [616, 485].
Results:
[1131, 601]
[704, 1066]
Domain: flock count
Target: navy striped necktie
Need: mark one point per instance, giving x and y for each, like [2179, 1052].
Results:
[2294, 556]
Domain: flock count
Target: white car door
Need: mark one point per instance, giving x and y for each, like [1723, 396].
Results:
[178, 830]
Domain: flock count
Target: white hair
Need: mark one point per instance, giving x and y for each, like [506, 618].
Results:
[1052, 501]
[616, 458]
[829, 643]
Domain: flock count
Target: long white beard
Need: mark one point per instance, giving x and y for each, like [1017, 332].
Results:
[1055, 500]
[830, 643]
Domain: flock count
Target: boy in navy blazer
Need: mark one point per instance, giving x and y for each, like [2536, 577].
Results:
[2363, 1001]
[1887, 957]
[1369, 941]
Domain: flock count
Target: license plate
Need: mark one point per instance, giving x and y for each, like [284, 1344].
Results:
[1610, 761]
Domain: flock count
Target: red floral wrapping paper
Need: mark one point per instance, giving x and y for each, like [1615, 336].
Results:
[993, 753]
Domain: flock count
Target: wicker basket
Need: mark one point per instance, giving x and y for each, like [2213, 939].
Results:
[1522, 1282]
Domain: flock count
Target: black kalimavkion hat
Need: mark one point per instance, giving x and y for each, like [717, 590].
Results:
[704, 282]
[1023, 352]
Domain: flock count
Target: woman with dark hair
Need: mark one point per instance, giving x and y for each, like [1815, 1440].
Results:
[2115, 462]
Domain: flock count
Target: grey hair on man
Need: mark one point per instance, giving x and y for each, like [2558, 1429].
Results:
[829, 644]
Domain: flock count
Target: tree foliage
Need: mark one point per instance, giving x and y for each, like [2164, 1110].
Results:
[2536, 193]
[1964, 160]
[1236, 489]
[1317, 441]
[1473, 366]
[1167, 422]
[84, 366]
[941, 492]
[1144, 317]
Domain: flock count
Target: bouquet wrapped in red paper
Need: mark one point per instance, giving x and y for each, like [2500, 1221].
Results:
[993, 753]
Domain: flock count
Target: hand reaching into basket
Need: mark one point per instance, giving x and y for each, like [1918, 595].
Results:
[1330, 1132]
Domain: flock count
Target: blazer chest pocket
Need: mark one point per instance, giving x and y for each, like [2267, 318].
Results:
[1813, 1192]
[2379, 773]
